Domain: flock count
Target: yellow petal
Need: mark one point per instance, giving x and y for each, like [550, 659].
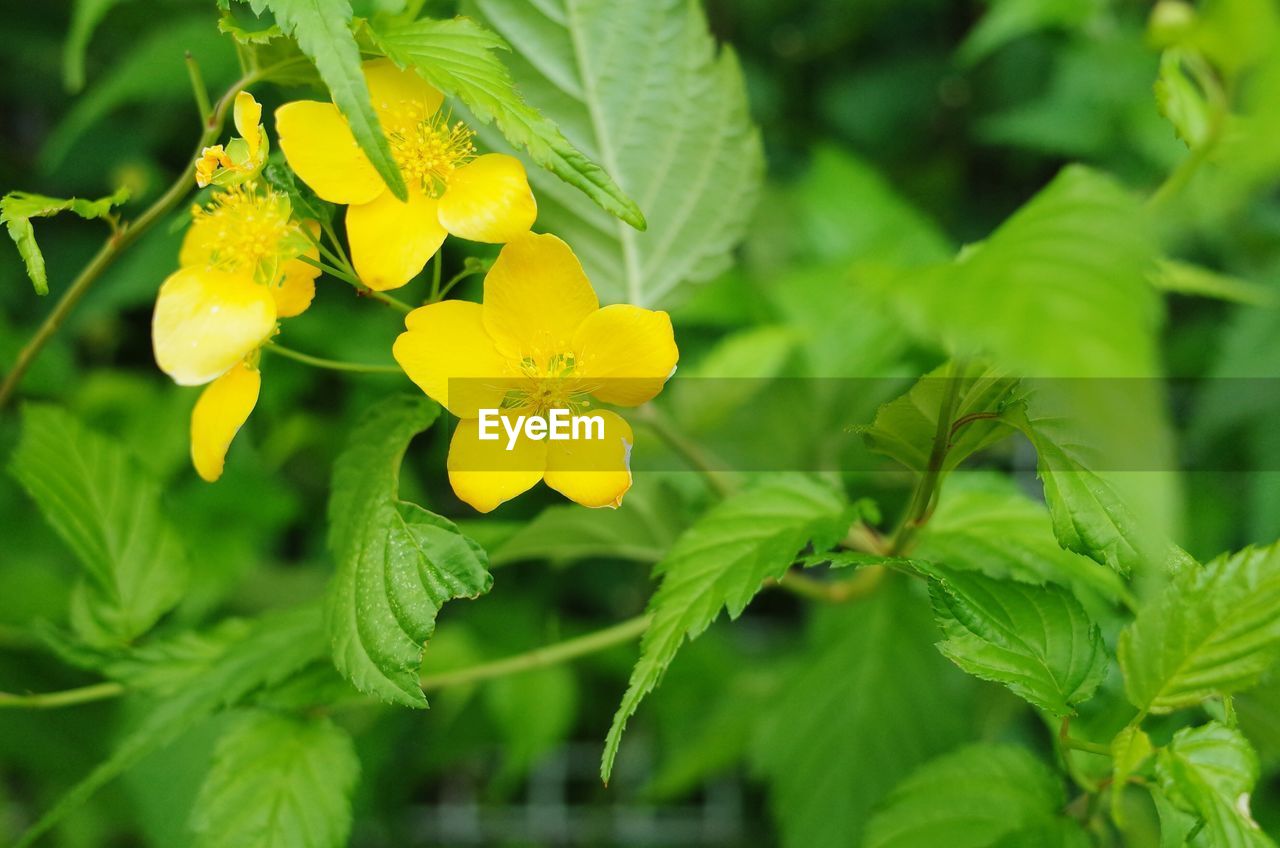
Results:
[625, 353]
[197, 245]
[535, 296]
[593, 472]
[322, 151]
[248, 115]
[392, 241]
[484, 473]
[205, 321]
[402, 99]
[447, 352]
[489, 200]
[296, 289]
[219, 414]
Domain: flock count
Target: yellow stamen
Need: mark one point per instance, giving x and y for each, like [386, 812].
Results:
[248, 231]
[430, 151]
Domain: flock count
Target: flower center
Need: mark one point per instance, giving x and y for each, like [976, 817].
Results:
[430, 151]
[548, 383]
[248, 232]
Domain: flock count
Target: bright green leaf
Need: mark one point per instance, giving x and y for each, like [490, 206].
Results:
[1129, 750]
[720, 563]
[271, 650]
[108, 511]
[17, 208]
[866, 703]
[278, 782]
[459, 57]
[1210, 771]
[1214, 631]
[1036, 640]
[322, 29]
[975, 798]
[675, 133]
[397, 562]
[1185, 278]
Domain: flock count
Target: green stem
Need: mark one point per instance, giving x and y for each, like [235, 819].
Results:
[435, 276]
[690, 452]
[922, 499]
[361, 288]
[67, 698]
[331, 364]
[560, 652]
[859, 585]
[121, 239]
[198, 89]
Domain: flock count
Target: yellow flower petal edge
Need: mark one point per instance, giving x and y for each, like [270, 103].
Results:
[447, 352]
[535, 296]
[489, 200]
[484, 474]
[591, 472]
[319, 146]
[219, 414]
[206, 320]
[626, 353]
[392, 241]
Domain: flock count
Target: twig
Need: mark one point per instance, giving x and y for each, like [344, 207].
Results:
[330, 364]
[66, 698]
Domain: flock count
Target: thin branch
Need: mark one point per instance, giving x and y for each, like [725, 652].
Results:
[658, 424]
[560, 652]
[330, 364]
[926, 491]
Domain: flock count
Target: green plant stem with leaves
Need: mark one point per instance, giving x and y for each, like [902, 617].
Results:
[127, 233]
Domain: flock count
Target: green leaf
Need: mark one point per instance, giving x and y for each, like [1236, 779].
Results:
[720, 563]
[905, 428]
[642, 532]
[867, 702]
[1036, 640]
[973, 798]
[397, 562]
[274, 648]
[987, 524]
[459, 57]
[108, 511]
[1210, 771]
[85, 17]
[1213, 631]
[1181, 101]
[17, 208]
[1060, 289]
[151, 72]
[534, 711]
[1007, 20]
[674, 132]
[278, 782]
[1129, 750]
[322, 29]
[1185, 278]
[305, 203]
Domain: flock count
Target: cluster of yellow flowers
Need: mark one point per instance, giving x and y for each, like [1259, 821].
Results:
[539, 341]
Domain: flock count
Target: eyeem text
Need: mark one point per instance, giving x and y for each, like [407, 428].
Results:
[558, 425]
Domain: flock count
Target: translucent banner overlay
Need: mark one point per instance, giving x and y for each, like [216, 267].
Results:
[860, 424]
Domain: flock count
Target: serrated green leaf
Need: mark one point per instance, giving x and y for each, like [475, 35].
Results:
[869, 701]
[1214, 631]
[322, 29]
[989, 525]
[1036, 640]
[975, 798]
[17, 208]
[273, 649]
[459, 57]
[674, 133]
[1210, 771]
[397, 562]
[1059, 289]
[720, 563]
[108, 511]
[278, 782]
[905, 428]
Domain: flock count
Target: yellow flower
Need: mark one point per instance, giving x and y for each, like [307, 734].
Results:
[539, 342]
[451, 190]
[240, 272]
[242, 158]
